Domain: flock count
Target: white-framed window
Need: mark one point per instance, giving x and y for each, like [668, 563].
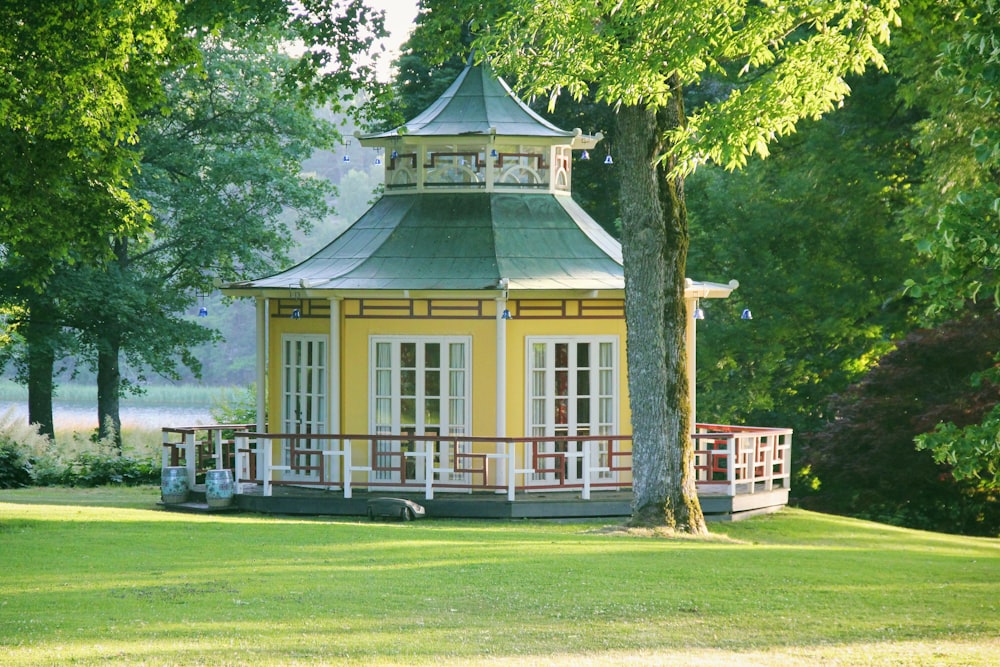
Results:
[304, 401]
[572, 390]
[419, 386]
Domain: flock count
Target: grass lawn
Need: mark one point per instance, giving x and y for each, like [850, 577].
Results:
[102, 576]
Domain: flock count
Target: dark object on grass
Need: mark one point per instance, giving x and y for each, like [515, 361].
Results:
[394, 508]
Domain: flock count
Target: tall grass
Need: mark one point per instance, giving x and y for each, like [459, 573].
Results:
[183, 394]
[103, 578]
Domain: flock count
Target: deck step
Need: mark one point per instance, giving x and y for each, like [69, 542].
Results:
[197, 508]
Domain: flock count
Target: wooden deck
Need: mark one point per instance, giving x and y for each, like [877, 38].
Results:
[740, 471]
[296, 501]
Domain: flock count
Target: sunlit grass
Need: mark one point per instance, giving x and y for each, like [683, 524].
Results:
[102, 577]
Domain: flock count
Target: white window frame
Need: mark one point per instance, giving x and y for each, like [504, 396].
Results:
[442, 457]
[313, 390]
[596, 425]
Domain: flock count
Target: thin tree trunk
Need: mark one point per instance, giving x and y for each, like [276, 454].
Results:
[109, 390]
[40, 335]
[654, 246]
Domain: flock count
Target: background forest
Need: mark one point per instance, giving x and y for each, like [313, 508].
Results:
[866, 245]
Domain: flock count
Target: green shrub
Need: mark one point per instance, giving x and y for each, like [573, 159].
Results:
[15, 469]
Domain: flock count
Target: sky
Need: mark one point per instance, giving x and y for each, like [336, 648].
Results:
[399, 16]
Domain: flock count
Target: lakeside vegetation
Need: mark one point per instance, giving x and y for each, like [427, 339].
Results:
[122, 582]
[183, 394]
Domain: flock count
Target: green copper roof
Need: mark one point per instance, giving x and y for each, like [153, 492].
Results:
[477, 102]
[462, 241]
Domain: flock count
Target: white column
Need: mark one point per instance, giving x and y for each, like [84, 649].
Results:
[334, 389]
[690, 338]
[262, 342]
[501, 385]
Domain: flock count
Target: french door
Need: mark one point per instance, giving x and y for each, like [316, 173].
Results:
[419, 386]
[304, 386]
[572, 390]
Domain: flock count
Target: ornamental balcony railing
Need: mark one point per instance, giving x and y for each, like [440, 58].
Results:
[728, 460]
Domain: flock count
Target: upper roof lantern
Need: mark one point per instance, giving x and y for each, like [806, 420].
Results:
[478, 135]
[480, 103]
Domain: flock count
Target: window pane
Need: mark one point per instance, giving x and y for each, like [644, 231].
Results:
[582, 355]
[583, 383]
[456, 414]
[562, 411]
[383, 383]
[582, 412]
[408, 383]
[432, 411]
[562, 383]
[432, 355]
[408, 355]
[538, 383]
[383, 355]
[432, 383]
[607, 355]
[383, 411]
[408, 411]
[456, 386]
[456, 357]
[562, 355]
[538, 355]
[607, 387]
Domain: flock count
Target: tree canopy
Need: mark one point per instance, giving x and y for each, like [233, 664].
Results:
[771, 64]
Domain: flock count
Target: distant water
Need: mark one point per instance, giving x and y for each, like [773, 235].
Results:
[83, 416]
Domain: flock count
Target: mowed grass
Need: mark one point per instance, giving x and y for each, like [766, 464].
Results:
[102, 576]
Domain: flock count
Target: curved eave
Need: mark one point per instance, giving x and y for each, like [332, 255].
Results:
[460, 242]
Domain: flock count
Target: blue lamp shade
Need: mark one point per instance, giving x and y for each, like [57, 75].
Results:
[493, 153]
[347, 158]
[746, 315]
[394, 155]
[608, 159]
[203, 312]
[378, 162]
[505, 315]
[296, 314]
[585, 155]
[699, 314]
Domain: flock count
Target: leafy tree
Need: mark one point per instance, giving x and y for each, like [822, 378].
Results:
[219, 169]
[813, 235]
[863, 463]
[779, 62]
[955, 219]
[327, 70]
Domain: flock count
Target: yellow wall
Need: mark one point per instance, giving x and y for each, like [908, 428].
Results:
[404, 317]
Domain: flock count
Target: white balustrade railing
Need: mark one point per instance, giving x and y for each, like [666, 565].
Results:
[728, 459]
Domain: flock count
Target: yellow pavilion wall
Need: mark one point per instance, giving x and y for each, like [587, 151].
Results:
[476, 318]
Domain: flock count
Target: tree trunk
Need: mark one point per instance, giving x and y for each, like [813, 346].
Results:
[40, 335]
[654, 247]
[109, 390]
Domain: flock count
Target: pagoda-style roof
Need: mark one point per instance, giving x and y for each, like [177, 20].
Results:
[469, 241]
[478, 102]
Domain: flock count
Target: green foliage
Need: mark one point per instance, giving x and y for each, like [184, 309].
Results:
[813, 238]
[971, 451]
[235, 406]
[956, 219]
[15, 469]
[864, 460]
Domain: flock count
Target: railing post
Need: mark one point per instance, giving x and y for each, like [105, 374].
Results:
[428, 470]
[191, 457]
[165, 451]
[731, 455]
[217, 441]
[511, 467]
[586, 470]
[345, 446]
[265, 472]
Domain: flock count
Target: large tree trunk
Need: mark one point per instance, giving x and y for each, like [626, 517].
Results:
[109, 390]
[40, 334]
[654, 246]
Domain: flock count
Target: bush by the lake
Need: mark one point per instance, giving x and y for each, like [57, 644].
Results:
[28, 458]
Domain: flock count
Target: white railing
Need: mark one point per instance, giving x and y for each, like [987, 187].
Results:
[734, 460]
[731, 460]
[201, 448]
